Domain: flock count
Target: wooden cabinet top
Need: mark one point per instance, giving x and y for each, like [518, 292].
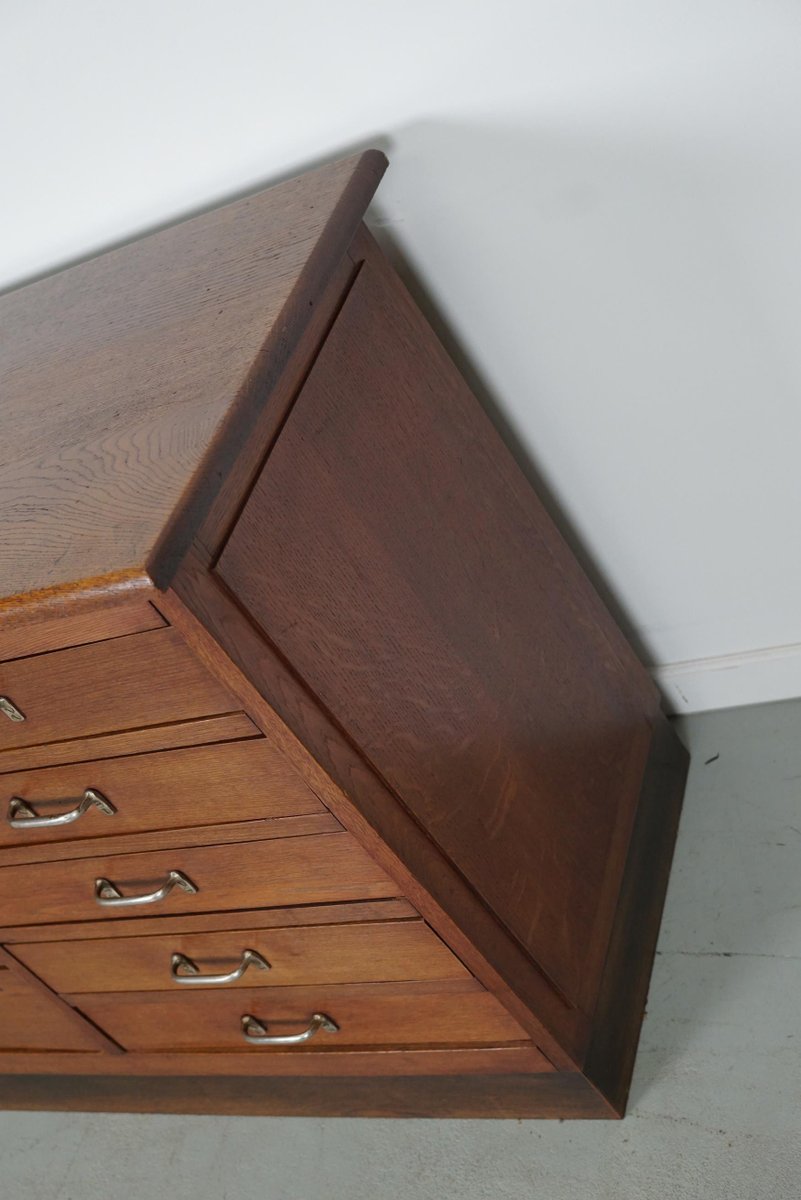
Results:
[125, 381]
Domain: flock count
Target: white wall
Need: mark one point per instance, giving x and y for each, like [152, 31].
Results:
[602, 200]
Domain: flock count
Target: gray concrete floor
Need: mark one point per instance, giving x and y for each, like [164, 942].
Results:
[716, 1102]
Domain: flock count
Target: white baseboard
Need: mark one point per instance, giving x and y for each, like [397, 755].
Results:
[731, 680]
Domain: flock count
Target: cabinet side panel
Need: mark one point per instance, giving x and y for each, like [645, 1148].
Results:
[393, 553]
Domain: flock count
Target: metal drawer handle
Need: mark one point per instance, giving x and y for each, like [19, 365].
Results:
[256, 1032]
[22, 816]
[109, 895]
[183, 970]
[10, 709]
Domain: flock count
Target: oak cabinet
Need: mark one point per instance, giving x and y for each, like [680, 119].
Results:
[328, 783]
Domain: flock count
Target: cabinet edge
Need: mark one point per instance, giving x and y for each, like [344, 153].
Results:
[557, 1096]
[622, 997]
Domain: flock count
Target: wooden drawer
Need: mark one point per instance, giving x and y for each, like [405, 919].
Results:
[173, 789]
[434, 1014]
[254, 874]
[125, 683]
[57, 631]
[32, 1020]
[359, 953]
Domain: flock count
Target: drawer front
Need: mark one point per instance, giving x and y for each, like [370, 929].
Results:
[367, 1015]
[125, 683]
[371, 952]
[173, 789]
[31, 1020]
[258, 874]
[64, 629]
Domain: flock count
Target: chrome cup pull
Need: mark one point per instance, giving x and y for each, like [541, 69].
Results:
[109, 895]
[22, 816]
[10, 710]
[184, 970]
[256, 1033]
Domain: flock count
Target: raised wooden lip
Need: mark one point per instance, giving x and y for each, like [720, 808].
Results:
[83, 595]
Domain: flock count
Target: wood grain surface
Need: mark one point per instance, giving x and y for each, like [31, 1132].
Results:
[233, 646]
[32, 1019]
[55, 631]
[117, 375]
[341, 913]
[289, 870]
[376, 952]
[483, 1096]
[627, 971]
[173, 735]
[170, 839]
[174, 789]
[348, 1064]
[286, 363]
[447, 1013]
[145, 679]
[411, 577]
[271, 582]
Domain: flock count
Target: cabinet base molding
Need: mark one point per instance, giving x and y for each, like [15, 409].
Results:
[480, 1097]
